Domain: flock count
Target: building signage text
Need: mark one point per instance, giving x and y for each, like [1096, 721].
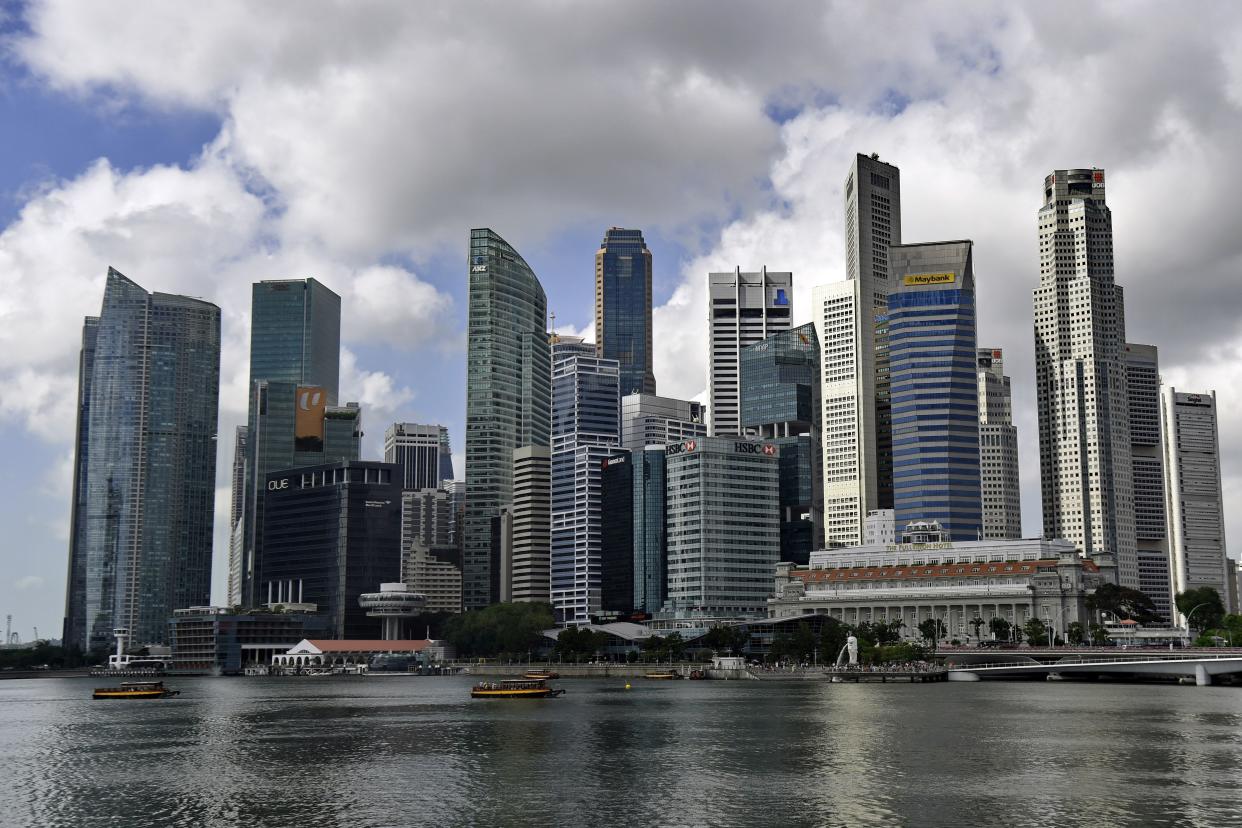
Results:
[930, 279]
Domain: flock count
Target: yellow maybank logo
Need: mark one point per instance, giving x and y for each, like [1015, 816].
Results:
[931, 279]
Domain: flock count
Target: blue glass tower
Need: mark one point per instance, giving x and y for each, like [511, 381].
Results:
[623, 308]
[935, 401]
[144, 497]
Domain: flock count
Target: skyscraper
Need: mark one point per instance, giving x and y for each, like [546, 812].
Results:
[532, 524]
[847, 373]
[1151, 529]
[998, 450]
[508, 383]
[237, 512]
[1084, 430]
[648, 420]
[935, 398]
[1198, 556]
[73, 636]
[742, 309]
[585, 408]
[872, 225]
[617, 534]
[650, 538]
[623, 307]
[142, 534]
[295, 344]
[422, 451]
[781, 403]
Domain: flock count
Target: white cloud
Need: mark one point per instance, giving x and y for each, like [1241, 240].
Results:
[28, 582]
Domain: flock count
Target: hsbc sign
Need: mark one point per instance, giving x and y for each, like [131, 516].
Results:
[767, 449]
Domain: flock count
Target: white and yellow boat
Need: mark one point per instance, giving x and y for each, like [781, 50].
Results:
[136, 690]
[514, 689]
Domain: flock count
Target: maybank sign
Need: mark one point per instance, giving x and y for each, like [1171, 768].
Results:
[930, 279]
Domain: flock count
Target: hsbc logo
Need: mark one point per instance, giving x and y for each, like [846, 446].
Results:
[769, 450]
[691, 445]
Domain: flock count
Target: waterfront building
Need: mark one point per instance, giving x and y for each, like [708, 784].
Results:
[435, 573]
[1198, 557]
[617, 534]
[396, 606]
[623, 308]
[331, 533]
[237, 513]
[422, 451]
[218, 641]
[742, 309]
[530, 578]
[879, 527]
[955, 582]
[357, 655]
[650, 537]
[998, 450]
[1151, 527]
[508, 382]
[934, 387]
[585, 431]
[847, 390]
[723, 525]
[872, 226]
[648, 420]
[781, 403]
[426, 517]
[1084, 440]
[144, 472]
[295, 344]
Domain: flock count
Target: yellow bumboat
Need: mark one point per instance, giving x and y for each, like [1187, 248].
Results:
[514, 689]
[136, 690]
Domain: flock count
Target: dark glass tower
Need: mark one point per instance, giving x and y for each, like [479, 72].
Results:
[781, 403]
[74, 632]
[144, 499]
[623, 307]
[508, 386]
[616, 523]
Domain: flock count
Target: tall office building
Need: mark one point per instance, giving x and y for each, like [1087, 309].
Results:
[650, 536]
[1198, 557]
[295, 345]
[872, 225]
[1151, 530]
[932, 349]
[648, 420]
[724, 535]
[530, 578]
[1084, 440]
[781, 403]
[632, 520]
[237, 512]
[508, 382]
[998, 450]
[847, 389]
[422, 451]
[742, 309]
[585, 409]
[623, 307]
[331, 533]
[430, 556]
[144, 496]
[617, 534]
[73, 633]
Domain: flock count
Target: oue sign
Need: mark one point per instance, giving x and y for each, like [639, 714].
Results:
[277, 485]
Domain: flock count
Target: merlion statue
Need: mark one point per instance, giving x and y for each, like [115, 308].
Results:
[850, 648]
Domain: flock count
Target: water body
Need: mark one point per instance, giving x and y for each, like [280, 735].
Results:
[395, 751]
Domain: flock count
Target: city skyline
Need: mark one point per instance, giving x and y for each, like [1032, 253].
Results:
[186, 221]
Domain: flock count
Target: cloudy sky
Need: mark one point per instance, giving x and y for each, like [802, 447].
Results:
[198, 148]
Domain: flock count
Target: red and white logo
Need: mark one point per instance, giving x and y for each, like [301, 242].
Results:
[691, 445]
[769, 449]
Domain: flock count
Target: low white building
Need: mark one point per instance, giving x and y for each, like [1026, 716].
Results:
[328, 653]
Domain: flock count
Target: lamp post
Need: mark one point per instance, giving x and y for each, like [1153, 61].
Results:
[1188, 615]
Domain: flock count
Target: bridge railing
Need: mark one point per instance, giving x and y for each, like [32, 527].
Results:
[1033, 665]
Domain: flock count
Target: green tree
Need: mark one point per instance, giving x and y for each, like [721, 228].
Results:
[676, 646]
[933, 630]
[1099, 635]
[512, 629]
[1077, 633]
[728, 640]
[977, 624]
[803, 644]
[999, 628]
[1036, 632]
[831, 639]
[1203, 606]
[1123, 602]
[654, 648]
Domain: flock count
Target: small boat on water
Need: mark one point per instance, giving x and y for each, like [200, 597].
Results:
[542, 674]
[665, 676]
[514, 689]
[136, 690]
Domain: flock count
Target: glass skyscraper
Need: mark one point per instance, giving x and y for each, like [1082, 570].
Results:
[935, 398]
[623, 308]
[143, 504]
[508, 384]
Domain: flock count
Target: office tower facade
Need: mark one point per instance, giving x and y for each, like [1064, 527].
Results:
[648, 420]
[649, 533]
[723, 524]
[847, 389]
[331, 533]
[426, 516]
[935, 400]
[617, 534]
[872, 226]
[998, 450]
[73, 632]
[742, 309]
[1151, 528]
[585, 431]
[879, 527]
[141, 534]
[623, 308]
[295, 344]
[508, 379]
[237, 512]
[530, 578]
[781, 403]
[430, 557]
[422, 451]
[1084, 441]
[1198, 556]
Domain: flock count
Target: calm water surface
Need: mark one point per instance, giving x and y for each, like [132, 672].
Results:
[392, 751]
